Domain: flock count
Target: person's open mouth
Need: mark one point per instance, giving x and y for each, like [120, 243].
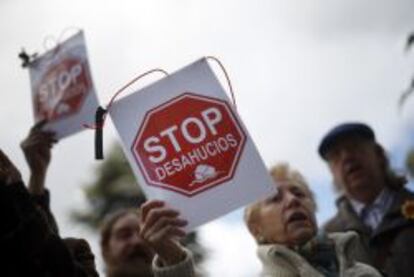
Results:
[297, 217]
[353, 170]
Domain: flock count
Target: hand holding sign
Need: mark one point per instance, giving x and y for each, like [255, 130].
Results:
[161, 228]
[37, 151]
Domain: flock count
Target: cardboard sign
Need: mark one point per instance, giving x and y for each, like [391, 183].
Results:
[187, 145]
[62, 88]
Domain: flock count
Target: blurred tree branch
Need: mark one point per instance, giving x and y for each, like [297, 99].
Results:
[407, 92]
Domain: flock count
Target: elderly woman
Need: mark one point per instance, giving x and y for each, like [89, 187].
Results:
[285, 228]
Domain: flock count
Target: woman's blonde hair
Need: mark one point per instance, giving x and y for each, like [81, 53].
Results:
[280, 172]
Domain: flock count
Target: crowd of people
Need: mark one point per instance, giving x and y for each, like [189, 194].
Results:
[372, 233]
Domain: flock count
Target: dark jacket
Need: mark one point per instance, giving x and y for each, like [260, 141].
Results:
[390, 248]
[28, 246]
[79, 248]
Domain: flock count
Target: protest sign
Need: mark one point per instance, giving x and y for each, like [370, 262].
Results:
[62, 87]
[187, 145]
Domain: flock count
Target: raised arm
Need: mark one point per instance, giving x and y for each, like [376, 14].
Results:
[37, 151]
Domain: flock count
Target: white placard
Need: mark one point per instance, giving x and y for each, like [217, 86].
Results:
[188, 147]
[62, 88]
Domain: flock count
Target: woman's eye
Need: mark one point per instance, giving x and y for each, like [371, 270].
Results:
[298, 193]
[277, 197]
[274, 198]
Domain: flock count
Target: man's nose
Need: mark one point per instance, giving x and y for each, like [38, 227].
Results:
[292, 200]
[345, 154]
[135, 239]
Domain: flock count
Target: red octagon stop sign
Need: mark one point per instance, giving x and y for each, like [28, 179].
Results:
[62, 90]
[189, 144]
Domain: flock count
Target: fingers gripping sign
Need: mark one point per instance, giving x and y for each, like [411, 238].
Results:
[37, 151]
[37, 146]
[161, 227]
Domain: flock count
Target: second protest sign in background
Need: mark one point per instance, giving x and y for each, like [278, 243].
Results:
[62, 88]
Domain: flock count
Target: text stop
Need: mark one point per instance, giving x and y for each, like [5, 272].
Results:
[189, 144]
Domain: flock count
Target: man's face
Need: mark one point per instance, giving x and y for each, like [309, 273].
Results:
[126, 249]
[357, 166]
[289, 216]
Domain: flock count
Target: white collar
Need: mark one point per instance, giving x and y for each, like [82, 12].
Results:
[380, 201]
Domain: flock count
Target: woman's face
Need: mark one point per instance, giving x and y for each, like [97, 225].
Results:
[288, 217]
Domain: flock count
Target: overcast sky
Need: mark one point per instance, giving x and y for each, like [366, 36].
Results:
[297, 67]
